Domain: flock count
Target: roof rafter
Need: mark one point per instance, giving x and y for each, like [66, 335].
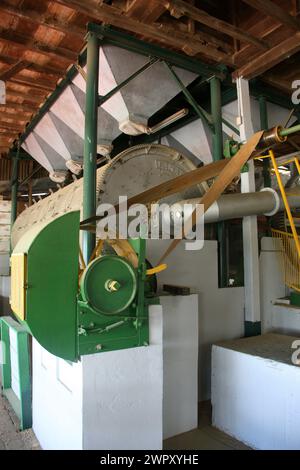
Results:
[111, 15]
[269, 59]
[34, 67]
[180, 8]
[26, 43]
[19, 107]
[35, 17]
[270, 8]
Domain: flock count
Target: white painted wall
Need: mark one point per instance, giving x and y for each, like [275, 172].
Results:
[180, 359]
[255, 392]
[122, 395]
[56, 400]
[283, 319]
[221, 311]
[107, 401]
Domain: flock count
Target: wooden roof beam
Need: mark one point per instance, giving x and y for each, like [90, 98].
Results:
[35, 17]
[145, 10]
[19, 117]
[13, 70]
[35, 67]
[25, 96]
[33, 83]
[19, 107]
[180, 8]
[111, 15]
[270, 8]
[27, 44]
[269, 59]
[11, 126]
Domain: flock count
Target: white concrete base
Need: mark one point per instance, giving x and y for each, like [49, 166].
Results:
[255, 391]
[107, 401]
[127, 399]
[180, 356]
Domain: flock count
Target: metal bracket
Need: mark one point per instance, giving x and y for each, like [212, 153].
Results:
[198, 109]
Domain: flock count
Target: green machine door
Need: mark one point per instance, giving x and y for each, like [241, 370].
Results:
[45, 283]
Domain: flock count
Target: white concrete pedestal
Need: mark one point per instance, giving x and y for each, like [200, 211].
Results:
[106, 401]
[255, 391]
[122, 399]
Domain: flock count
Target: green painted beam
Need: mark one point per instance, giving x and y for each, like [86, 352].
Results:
[103, 99]
[90, 142]
[14, 190]
[202, 114]
[264, 125]
[217, 151]
[130, 43]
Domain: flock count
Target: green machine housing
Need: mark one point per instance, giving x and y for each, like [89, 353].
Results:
[106, 310]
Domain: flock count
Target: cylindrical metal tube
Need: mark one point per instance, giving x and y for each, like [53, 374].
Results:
[232, 206]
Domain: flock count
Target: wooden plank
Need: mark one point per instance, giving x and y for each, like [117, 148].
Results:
[226, 176]
[111, 15]
[145, 10]
[10, 126]
[262, 28]
[26, 44]
[5, 206]
[270, 8]
[173, 186]
[38, 83]
[26, 96]
[4, 218]
[19, 107]
[269, 59]
[13, 70]
[18, 117]
[35, 67]
[35, 17]
[4, 246]
[4, 231]
[180, 8]
[201, 35]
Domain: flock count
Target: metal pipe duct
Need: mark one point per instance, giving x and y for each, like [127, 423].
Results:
[231, 206]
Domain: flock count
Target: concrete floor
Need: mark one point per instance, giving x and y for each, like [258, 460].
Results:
[10, 436]
[206, 437]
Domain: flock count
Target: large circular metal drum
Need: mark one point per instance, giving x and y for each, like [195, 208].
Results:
[133, 171]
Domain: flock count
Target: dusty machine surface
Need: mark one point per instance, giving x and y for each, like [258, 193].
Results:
[72, 308]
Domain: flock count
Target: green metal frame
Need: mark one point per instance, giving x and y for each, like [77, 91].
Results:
[90, 142]
[22, 406]
[14, 189]
[98, 35]
[217, 151]
[120, 39]
[202, 114]
[103, 99]
[51, 283]
[263, 111]
[100, 333]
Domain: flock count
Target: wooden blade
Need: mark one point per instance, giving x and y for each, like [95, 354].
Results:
[229, 172]
[182, 182]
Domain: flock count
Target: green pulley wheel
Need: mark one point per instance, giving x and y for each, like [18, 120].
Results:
[109, 284]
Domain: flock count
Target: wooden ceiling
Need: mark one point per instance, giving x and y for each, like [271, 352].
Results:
[40, 39]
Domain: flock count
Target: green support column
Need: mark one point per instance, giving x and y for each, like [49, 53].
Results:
[14, 189]
[217, 143]
[90, 142]
[264, 126]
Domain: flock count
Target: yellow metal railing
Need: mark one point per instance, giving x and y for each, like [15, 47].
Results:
[289, 243]
[289, 258]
